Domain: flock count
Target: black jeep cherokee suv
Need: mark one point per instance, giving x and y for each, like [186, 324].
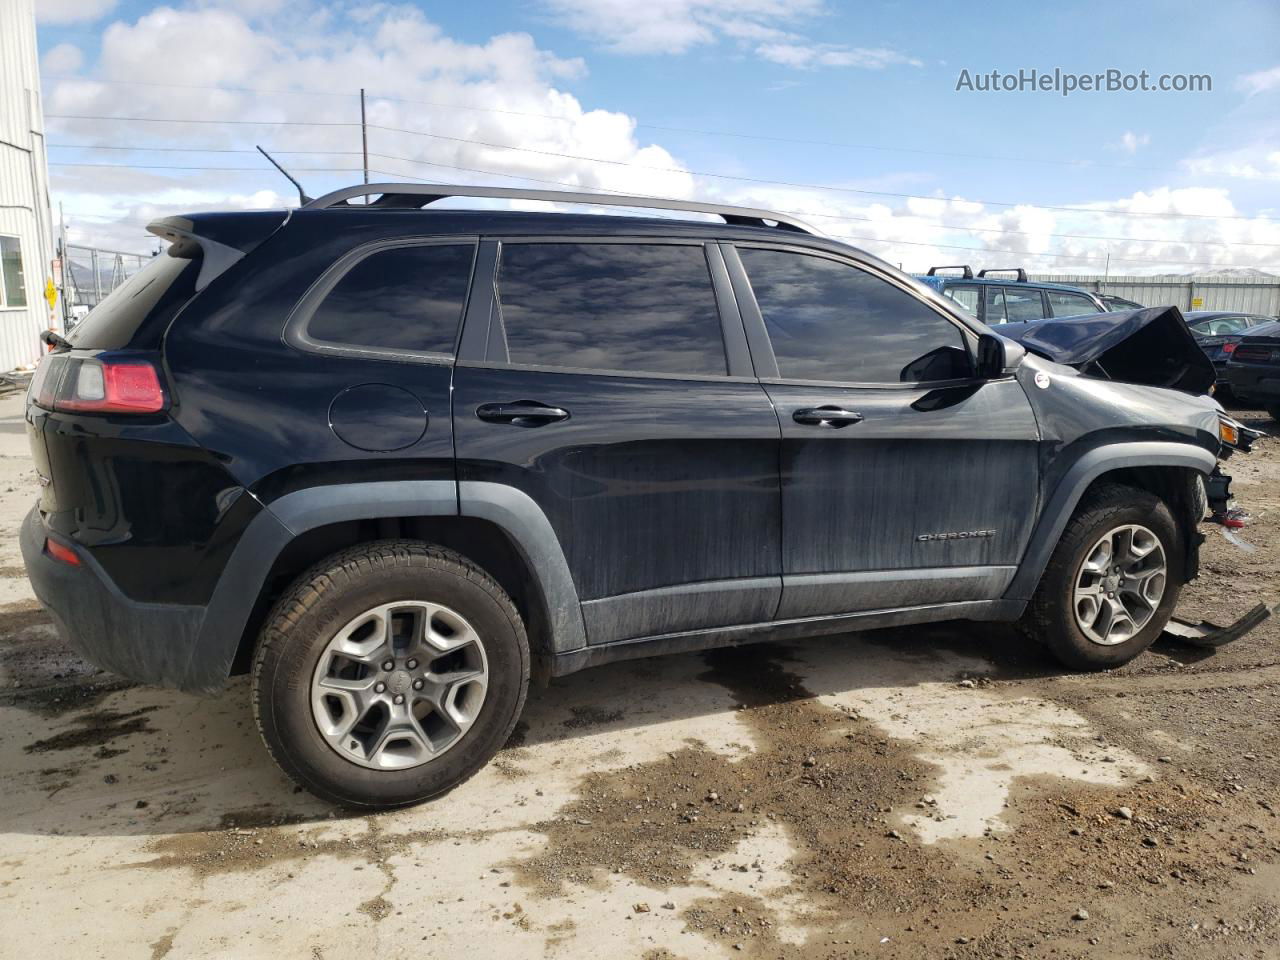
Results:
[396, 461]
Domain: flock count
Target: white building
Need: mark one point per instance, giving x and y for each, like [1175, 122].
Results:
[26, 230]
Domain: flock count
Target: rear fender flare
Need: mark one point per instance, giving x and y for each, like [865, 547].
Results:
[1066, 496]
[295, 513]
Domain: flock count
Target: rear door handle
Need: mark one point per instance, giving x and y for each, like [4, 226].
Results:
[828, 416]
[521, 413]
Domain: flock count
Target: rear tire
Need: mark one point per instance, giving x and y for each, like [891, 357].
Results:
[1092, 620]
[1274, 412]
[389, 674]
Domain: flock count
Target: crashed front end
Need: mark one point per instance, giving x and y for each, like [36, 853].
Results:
[1153, 347]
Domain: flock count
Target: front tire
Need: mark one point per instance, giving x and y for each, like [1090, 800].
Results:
[1112, 582]
[389, 674]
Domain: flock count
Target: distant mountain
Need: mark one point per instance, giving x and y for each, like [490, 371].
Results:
[1232, 273]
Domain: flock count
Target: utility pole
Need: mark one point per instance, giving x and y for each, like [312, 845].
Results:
[364, 138]
[66, 278]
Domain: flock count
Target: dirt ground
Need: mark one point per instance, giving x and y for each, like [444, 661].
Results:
[926, 792]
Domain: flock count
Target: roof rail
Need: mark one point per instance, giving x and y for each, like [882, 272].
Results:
[1022, 274]
[968, 270]
[414, 196]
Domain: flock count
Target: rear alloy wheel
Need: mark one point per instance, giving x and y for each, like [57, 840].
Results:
[1112, 582]
[399, 685]
[389, 674]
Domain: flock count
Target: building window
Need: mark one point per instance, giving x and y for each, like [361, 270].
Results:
[13, 288]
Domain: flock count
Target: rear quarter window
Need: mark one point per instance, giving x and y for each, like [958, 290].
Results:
[140, 308]
[405, 299]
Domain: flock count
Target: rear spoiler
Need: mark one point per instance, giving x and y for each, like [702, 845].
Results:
[221, 240]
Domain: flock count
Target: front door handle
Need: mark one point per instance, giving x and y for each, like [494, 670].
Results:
[827, 416]
[521, 413]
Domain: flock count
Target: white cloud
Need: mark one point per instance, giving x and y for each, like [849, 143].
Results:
[1256, 162]
[506, 90]
[677, 26]
[72, 11]
[62, 59]
[919, 233]
[1132, 142]
[808, 56]
[1260, 81]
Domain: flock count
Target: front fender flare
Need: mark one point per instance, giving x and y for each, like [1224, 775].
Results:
[1066, 496]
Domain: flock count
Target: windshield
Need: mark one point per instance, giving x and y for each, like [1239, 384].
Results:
[115, 321]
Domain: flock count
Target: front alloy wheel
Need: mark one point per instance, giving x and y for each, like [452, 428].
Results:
[1113, 580]
[1119, 585]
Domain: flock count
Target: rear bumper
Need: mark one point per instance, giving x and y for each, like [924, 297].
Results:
[147, 642]
[1261, 382]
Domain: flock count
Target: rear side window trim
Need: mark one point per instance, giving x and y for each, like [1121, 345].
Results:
[295, 328]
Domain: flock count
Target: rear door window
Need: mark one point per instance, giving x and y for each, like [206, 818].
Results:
[158, 289]
[403, 299]
[1022, 305]
[1064, 304]
[965, 295]
[624, 307]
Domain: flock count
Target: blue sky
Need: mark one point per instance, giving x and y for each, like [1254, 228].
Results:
[839, 98]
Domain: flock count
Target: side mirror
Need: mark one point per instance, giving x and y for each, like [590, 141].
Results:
[998, 356]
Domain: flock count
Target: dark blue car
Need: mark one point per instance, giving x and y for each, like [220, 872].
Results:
[1219, 332]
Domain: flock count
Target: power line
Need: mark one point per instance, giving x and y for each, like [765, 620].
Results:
[767, 138]
[164, 166]
[694, 173]
[1027, 253]
[985, 250]
[798, 213]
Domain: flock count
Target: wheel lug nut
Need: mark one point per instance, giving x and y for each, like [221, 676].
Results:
[412, 664]
[398, 698]
[379, 687]
[388, 665]
[417, 684]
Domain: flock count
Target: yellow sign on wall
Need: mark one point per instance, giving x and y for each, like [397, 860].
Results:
[1197, 303]
[51, 293]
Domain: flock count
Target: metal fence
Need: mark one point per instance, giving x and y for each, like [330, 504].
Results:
[1247, 294]
[90, 273]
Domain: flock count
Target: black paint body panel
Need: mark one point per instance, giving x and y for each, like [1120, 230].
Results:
[675, 512]
[651, 482]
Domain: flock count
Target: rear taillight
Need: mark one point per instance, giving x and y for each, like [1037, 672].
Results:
[1230, 347]
[1252, 353]
[44, 384]
[103, 384]
[111, 386]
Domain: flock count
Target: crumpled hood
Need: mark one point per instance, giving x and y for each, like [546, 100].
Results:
[1150, 346]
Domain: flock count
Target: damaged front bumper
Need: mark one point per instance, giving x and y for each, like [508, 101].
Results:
[1234, 436]
[1206, 634]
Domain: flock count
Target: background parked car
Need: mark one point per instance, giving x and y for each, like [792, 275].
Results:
[994, 300]
[1253, 368]
[1220, 332]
